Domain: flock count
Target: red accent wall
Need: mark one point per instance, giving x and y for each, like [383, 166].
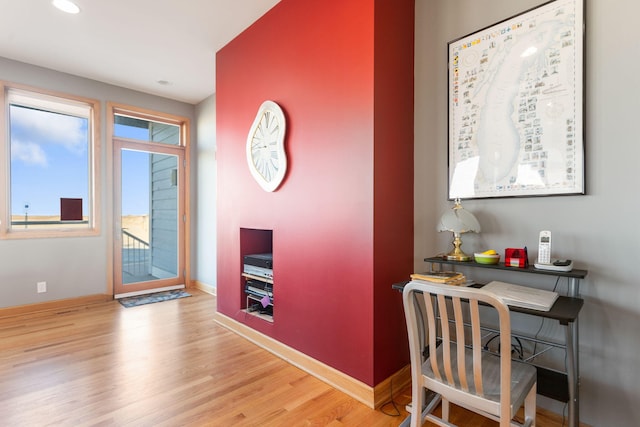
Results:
[341, 223]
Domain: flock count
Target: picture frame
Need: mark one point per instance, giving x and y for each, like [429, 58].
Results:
[516, 106]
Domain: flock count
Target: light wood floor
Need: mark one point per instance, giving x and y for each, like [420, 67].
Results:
[165, 364]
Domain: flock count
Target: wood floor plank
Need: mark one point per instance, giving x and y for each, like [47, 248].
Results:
[166, 364]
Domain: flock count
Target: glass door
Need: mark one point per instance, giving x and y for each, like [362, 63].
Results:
[149, 241]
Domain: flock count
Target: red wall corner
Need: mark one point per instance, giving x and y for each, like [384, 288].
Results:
[335, 241]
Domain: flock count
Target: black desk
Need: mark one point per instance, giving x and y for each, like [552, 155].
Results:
[562, 386]
[574, 275]
[565, 310]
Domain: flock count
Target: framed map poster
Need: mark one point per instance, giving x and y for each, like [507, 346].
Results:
[516, 106]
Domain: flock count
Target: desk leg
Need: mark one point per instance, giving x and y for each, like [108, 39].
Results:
[572, 373]
[574, 288]
[573, 368]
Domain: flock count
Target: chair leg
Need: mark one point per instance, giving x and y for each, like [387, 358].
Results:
[417, 403]
[530, 407]
[505, 422]
[445, 409]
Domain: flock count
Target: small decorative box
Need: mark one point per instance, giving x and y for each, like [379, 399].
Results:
[516, 257]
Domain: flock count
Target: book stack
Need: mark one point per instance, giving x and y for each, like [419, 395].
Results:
[447, 277]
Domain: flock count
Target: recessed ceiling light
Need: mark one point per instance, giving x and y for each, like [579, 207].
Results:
[66, 6]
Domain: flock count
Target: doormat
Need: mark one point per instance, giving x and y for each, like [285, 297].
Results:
[151, 298]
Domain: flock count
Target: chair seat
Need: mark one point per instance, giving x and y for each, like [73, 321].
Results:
[523, 376]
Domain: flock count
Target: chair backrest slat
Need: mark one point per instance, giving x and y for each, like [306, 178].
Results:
[476, 345]
[446, 338]
[432, 335]
[460, 342]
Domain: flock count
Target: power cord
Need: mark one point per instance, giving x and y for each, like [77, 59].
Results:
[391, 402]
[519, 348]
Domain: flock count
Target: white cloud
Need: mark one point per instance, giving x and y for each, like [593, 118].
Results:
[28, 152]
[35, 127]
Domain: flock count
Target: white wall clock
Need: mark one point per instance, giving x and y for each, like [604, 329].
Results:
[265, 146]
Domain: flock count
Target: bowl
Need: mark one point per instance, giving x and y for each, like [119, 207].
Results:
[486, 259]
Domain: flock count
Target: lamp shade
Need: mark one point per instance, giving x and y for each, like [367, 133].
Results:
[458, 220]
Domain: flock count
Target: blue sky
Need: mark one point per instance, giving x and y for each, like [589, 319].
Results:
[135, 179]
[49, 160]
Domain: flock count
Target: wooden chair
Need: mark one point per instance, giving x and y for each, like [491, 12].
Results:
[456, 368]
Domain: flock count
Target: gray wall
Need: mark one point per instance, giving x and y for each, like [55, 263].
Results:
[596, 230]
[205, 218]
[72, 267]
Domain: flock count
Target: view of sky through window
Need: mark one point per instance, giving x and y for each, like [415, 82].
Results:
[49, 160]
[135, 177]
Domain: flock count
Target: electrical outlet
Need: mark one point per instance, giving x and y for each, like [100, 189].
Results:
[42, 287]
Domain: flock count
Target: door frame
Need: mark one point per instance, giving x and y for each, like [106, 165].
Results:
[114, 278]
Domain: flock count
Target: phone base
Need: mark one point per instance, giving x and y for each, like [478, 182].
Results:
[555, 265]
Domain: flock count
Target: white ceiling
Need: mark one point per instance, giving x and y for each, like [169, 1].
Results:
[129, 43]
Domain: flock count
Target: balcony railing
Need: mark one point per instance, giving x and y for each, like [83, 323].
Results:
[135, 255]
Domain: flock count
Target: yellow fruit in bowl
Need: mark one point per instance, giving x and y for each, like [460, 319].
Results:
[487, 257]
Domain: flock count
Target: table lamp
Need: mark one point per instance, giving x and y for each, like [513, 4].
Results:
[458, 220]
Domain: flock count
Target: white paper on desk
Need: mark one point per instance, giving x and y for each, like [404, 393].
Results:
[522, 296]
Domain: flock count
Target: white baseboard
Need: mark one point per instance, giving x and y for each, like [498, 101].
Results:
[204, 287]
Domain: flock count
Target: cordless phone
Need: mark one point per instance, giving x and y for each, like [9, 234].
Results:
[544, 247]
[544, 261]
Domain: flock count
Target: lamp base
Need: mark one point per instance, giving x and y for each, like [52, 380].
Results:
[457, 256]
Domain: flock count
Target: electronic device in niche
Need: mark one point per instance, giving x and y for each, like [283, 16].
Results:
[259, 260]
[259, 308]
[265, 273]
[259, 288]
[260, 265]
[258, 284]
[545, 262]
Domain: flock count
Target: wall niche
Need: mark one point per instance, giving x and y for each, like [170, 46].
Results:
[256, 253]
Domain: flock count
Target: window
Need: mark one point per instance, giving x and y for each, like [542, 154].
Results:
[146, 130]
[49, 150]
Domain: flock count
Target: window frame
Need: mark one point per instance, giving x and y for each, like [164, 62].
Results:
[94, 154]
